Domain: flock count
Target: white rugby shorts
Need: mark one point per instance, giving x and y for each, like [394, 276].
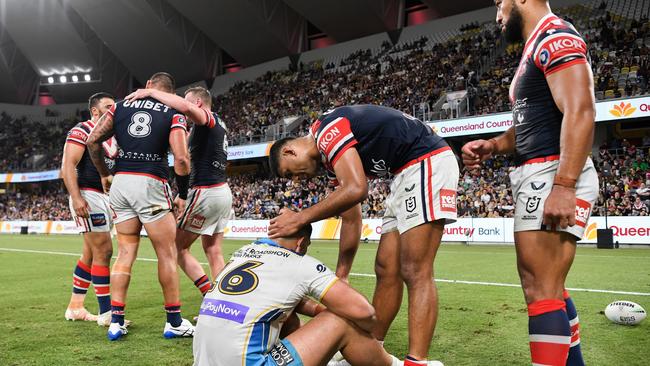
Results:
[423, 192]
[100, 219]
[207, 209]
[531, 185]
[146, 197]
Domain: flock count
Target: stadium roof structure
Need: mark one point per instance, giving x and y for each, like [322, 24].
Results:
[118, 41]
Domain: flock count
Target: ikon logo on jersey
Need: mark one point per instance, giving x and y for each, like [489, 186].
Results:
[583, 210]
[333, 133]
[224, 310]
[448, 200]
[566, 42]
[78, 134]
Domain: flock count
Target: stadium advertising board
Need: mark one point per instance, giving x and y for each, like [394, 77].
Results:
[249, 151]
[627, 230]
[492, 123]
[30, 177]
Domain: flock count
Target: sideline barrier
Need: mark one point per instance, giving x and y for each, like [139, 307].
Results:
[627, 230]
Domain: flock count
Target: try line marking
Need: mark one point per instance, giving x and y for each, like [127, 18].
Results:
[482, 283]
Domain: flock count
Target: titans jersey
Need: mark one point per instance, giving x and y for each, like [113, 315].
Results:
[87, 175]
[386, 139]
[554, 45]
[241, 317]
[142, 130]
[208, 152]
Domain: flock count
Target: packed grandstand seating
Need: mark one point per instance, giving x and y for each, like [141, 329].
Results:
[624, 173]
[404, 76]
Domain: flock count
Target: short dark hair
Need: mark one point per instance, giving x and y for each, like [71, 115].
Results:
[95, 98]
[164, 80]
[276, 152]
[305, 231]
[202, 93]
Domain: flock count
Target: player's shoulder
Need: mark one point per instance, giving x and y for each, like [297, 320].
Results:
[220, 121]
[555, 28]
[83, 126]
[311, 266]
[558, 44]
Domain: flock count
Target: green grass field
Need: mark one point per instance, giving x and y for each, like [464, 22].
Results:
[478, 324]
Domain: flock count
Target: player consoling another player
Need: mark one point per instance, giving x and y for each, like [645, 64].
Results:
[355, 142]
[248, 316]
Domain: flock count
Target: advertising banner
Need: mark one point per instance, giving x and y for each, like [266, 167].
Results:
[627, 230]
[492, 123]
[30, 177]
[249, 151]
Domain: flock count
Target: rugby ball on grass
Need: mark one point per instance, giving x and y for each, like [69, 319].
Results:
[625, 312]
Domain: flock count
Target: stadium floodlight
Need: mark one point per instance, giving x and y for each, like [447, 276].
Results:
[50, 80]
[87, 77]
[75, 78]
[63, 79]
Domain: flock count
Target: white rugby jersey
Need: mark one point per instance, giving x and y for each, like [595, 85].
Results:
[241, 317]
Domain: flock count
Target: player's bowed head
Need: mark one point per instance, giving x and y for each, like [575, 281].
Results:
[298, 242]
[294, 158]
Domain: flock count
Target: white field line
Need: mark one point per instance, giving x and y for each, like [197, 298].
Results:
[482, 283]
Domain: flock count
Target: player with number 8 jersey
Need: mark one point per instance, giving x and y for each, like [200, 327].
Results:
[140, 196]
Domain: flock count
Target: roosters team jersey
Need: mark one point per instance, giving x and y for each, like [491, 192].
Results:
[142, 130]
[87, 175]
[241, 317]
[554, 45]
[208, 152]
[386, 139]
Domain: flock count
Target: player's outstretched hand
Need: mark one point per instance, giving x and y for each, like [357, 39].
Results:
[106, 183]
[138, 94]
[80, 207]
[475, 152]
[560, 207]
[285, 224]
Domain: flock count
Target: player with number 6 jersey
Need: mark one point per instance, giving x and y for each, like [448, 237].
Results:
[359, 141]
[249, 318]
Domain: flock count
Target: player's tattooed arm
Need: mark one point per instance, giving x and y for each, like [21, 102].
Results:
[102, 132]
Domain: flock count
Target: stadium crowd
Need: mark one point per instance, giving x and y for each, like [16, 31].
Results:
[624, 173]
[408, 76]
[46, 202]
[401, 76]
[624, 178]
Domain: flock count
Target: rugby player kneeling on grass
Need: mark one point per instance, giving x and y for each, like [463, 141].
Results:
[249, 315]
